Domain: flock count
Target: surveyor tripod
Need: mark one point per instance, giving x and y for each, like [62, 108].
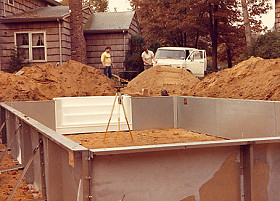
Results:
[120, 104]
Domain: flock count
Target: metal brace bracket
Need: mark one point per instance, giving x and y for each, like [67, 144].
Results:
[4, 123]
[24, 171]
[12, 140]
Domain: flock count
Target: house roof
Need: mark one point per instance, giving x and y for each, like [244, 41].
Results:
[39, 14]
[109, 22]
[97, 22]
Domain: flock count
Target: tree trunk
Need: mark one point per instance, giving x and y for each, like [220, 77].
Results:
[214, 35]
[78, 43]
[196, 39]
[229, 58]
[248, 33]
[185, 39]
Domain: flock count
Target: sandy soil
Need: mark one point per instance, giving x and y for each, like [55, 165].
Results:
[9, 179]
[143, 137]
[46, 81]
[255, 78]
[174, 80]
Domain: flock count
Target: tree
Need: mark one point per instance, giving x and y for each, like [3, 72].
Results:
[17, 60]
[154, 46]
[217, 20]
[159, 21]
[98, 5]
[251, 9]
[133, 60]
[198, 23]
[248, 32]
[266, 46]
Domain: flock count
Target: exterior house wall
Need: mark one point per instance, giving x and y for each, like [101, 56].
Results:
[134, 28]
[96, 43]
[277, 15]
[1, 8]
[20, 6]
[7, 39]
[66, 35]
[87, 12]
[66, 40]
[7, 45]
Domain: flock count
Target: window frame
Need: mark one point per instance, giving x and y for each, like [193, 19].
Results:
[12, 4]
[30, 46]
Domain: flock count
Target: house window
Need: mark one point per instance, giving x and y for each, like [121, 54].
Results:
[22, 44]
[38, 46]
[32, 45]
[11, 2]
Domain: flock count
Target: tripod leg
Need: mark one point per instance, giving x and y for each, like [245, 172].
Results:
[110, 118]
[119, 120]
[126, 121]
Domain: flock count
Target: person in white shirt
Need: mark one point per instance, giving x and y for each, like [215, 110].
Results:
[148, 57]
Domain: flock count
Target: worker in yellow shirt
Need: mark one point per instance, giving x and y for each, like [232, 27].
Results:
[107, 62]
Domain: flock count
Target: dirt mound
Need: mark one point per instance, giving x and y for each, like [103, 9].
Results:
[255, 78]
[175, 81]
[44, 82]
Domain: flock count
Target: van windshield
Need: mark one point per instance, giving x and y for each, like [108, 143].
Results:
[170, 54]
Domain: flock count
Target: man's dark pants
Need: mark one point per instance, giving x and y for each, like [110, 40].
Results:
[108, 71]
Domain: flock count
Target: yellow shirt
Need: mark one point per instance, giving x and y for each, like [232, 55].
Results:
[106, 59]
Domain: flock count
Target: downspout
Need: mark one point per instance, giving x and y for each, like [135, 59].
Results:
[60, 41]
[124, 44]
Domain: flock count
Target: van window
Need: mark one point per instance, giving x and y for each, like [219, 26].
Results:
[170, 54]
[197, 55]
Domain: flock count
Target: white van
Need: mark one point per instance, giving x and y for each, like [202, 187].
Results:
[191, 59]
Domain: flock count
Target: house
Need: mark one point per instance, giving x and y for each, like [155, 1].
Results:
[41, 29]
[277, 15]
[113, 29]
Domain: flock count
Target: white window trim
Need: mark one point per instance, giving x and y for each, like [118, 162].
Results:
[30, 44]
[12, 4]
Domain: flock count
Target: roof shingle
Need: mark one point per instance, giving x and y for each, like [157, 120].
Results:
[113, 21]
[97, 22]
[39, 14]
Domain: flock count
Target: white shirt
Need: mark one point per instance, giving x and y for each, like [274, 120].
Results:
[148, 57]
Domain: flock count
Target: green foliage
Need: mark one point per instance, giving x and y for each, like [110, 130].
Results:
[154, 46]
[266, 46]
[17, 60]
[97, 5]
[133, 60]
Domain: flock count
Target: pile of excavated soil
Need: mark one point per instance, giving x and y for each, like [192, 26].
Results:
[44, 82]
[174, 80]
[8, 181]
[140, 138]
[255, 78]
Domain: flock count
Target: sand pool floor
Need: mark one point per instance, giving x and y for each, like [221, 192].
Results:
[140, 138]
